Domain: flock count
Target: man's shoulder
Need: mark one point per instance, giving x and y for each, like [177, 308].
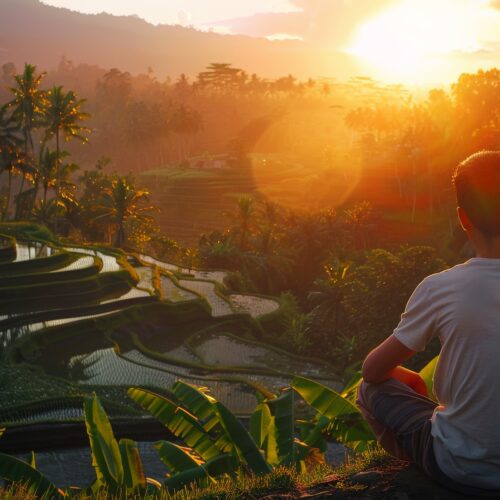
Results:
[438, 280]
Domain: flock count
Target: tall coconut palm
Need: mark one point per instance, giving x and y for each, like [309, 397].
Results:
[10, 156]
[62, 117]
[47, 171]
[11, 160]
[9, 130]
[27, 108]
[121, 203]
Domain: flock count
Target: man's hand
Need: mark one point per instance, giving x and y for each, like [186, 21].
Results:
[410, 378]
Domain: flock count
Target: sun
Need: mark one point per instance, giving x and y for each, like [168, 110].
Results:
[409, 41]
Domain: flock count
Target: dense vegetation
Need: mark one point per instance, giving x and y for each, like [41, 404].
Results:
[326, 261]
[342, 264]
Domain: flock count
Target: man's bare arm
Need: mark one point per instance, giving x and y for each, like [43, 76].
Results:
[383, 363]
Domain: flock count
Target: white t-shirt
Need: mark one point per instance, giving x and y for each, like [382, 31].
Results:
[461, 306]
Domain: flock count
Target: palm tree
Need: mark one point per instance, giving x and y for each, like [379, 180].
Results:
[11, 160]
[10, 156]
[62, 117]
[121, 203]
[28, 104]
[47, 171]
[9, 130]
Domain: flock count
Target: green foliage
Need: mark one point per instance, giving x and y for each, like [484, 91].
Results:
[15, 470]
[28, 231]
[213, 434]
[118, 466]
[356, 306]
[345, 422]
[218, 445]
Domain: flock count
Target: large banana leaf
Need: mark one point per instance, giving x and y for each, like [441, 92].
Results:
[350, 391]
[132, 465]
[259, 424]
[427, 373]
[178, 421]
[218, 466]
[323, 399]
[243, 443]
[195, 399]
[177, 458]
[106, 456]
[199, 402]
[301, 452]
[262, 430]
[282, 410]
[312, 432]
[346, 422]
[352, 430]
[15, 470]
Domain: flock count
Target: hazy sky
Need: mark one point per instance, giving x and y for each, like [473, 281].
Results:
[399, 38]
[196, 12]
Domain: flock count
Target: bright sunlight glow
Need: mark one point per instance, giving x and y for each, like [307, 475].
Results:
[408, 41]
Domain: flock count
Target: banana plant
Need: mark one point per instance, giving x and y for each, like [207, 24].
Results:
[337, 415]
[14, 470]
[18, 471]
[217, 443]
[117, 465]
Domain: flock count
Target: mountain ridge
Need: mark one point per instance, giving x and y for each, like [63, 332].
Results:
[41, 34]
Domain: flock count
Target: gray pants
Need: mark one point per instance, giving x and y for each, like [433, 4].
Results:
[401, 421]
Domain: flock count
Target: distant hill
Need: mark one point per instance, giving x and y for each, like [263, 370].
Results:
[31, 31]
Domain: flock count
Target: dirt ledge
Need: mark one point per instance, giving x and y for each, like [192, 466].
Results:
[395, 480]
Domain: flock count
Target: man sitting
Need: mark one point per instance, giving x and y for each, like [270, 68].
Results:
[457, 440]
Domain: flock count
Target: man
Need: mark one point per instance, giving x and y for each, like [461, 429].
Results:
[457, 440]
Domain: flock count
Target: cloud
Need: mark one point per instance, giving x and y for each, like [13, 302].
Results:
[324, 22]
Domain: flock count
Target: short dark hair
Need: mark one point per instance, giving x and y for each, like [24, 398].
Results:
[477, 184]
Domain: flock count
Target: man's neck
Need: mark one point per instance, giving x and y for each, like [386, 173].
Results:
[488, 248]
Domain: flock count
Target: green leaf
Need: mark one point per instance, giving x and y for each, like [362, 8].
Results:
[427, 373]
[203, 474]
[132, 465]
[313, 434]
[178, 421]
[32, 461]
[244, 445]
[17, 471]
[352, 430]
[106, 457]
[323, 399]
[346, 422]
[262, 430]
[259, 424]
[350, 391]
[198, 402]
[195, 399]
[177, 458]
[282, 410]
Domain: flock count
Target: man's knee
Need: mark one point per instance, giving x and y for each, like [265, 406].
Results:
[365, 394]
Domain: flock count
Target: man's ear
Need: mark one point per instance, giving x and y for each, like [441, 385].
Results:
[465, 222]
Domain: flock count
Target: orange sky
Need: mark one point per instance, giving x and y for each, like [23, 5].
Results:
[409, 41]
